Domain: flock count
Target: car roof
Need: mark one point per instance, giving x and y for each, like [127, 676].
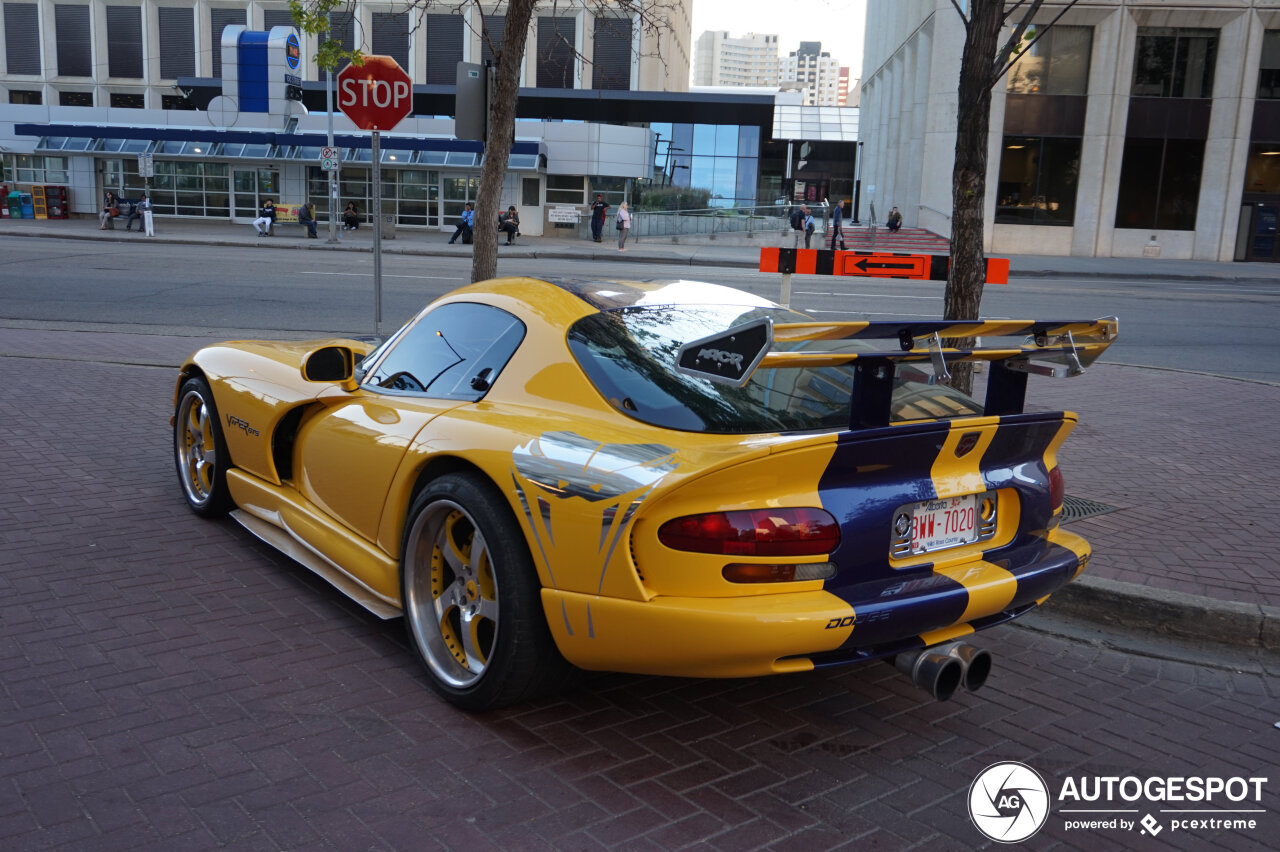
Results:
[611, 294]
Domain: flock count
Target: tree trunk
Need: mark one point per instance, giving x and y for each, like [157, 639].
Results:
[968, 272]
[497, 148]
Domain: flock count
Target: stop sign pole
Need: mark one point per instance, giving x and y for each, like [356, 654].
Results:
[376, 96]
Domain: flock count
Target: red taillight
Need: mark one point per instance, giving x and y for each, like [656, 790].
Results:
[1057, 490]
[760, 532]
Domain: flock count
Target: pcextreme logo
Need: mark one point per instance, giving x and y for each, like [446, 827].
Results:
[1009, 802]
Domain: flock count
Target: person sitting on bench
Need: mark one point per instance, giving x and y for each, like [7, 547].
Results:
[509, 224]
[266, 218]
[307, 219]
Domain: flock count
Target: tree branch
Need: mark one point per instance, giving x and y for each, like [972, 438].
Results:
[959, 11]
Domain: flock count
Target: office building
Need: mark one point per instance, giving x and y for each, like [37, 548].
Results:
[1129, 129]
[720, 60]
[814, 71]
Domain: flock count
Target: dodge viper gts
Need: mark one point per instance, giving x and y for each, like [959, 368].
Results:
[669, 478]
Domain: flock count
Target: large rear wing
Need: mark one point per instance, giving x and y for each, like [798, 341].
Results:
[1058, 348]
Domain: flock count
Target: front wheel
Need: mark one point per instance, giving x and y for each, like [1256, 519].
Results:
[200, 451]
[471, 598]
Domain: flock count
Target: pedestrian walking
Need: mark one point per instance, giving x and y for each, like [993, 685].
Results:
[837, 225]
[266, 218]
[598, 211]
[466, 224]
[624, 226]
[148, 219]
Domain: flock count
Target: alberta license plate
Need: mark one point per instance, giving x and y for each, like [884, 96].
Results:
[939, 524]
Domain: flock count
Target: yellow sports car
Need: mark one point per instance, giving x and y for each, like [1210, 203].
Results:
[671, 478]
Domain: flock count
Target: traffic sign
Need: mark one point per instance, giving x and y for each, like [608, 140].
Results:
[327, 153]
[375, 95]
[924, 267]
[329, 164]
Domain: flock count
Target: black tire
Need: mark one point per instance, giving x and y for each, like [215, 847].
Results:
[471, 597]
[200, 451]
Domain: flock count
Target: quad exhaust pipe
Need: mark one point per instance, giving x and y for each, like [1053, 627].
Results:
[943, 669]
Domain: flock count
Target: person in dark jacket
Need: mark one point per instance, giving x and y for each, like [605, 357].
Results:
[598, 211]
[307, 219]
[350, 217]
[509, 224]
[266, 218]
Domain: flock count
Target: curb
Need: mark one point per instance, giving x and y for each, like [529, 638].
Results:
[1162, 613]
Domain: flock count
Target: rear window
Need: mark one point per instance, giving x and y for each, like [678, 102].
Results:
[629, 355]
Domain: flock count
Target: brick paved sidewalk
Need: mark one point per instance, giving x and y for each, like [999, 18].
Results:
[169, 683]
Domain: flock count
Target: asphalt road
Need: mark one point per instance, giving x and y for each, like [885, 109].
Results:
[1223, 328]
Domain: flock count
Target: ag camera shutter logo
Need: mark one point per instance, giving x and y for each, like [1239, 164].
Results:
[1008, 802]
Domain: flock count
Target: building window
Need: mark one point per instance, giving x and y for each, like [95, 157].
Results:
[175, 102]
[556, 55]
[1160, 184]
[76, 99]
[1269, 72]
[611, 53]
[1262, 174]
[33, 168]
[220, 19]
[1038, 179]
[494, 26]
[75, 50]
[391, 36]
[177, 43]
[22, 38]
[565, 189]
[124, 42]
[1057, 64]
[444, 48]
[1174, 63]
[127, 101]
[25, 96]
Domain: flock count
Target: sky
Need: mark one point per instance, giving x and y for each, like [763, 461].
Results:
[838, 24]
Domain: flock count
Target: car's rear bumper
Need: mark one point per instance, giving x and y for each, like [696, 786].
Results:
[771, 634]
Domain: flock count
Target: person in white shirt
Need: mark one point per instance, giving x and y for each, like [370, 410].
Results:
[624, 226]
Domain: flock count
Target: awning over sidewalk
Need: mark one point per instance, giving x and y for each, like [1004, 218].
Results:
[207, 142]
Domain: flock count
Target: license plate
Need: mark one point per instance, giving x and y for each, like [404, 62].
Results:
[940, 524]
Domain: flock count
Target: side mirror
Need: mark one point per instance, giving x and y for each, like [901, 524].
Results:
[331, 364]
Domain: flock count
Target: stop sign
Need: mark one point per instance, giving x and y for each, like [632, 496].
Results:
[375, 95]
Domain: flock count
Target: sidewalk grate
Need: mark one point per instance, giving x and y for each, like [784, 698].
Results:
[1078, 508]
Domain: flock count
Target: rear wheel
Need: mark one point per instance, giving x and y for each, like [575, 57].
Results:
[200, 451]
[471, 598]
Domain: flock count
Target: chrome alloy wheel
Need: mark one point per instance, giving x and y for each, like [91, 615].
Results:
[451, 593]
[195, 447]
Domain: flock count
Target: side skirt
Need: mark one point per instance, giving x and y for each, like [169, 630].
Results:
[279, 537]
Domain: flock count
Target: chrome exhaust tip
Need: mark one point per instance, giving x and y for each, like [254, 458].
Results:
[938, 674]
[976, 663]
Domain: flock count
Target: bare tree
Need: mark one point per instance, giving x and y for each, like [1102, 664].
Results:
[653, 18]
[982, 65]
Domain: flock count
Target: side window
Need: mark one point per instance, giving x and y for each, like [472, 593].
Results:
[454, 352]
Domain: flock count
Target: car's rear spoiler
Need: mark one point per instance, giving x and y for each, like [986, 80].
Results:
[1058, 348]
